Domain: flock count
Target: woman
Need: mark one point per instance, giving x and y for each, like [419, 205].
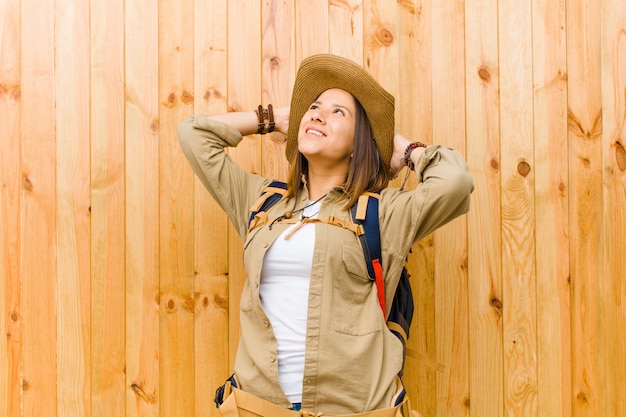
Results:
[312, 332]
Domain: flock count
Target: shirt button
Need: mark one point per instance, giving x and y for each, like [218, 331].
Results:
[266, 245]
[266, 323]
[272, 358]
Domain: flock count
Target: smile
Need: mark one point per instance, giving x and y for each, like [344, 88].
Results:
[314, 132]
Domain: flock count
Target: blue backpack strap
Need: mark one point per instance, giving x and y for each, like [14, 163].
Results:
[270, 196]
[365, 212]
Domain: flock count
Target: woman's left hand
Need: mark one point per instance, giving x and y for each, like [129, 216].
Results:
[397, 158]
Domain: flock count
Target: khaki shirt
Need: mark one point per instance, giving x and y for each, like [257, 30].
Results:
[351, 358]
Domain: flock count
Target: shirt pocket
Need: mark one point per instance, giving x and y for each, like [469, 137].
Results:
[356, 310]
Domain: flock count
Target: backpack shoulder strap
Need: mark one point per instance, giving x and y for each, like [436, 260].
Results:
[365, 212]
[270, 196]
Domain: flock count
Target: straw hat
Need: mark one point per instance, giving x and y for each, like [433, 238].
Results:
[319, 73]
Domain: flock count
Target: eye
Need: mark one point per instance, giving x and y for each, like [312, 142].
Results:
[313, 107]
[340, 111]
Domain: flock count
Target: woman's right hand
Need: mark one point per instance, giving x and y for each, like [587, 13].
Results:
[281, 117]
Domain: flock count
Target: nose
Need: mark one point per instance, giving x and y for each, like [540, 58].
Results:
[316, 115]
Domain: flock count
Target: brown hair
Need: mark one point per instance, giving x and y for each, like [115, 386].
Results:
[368, 172]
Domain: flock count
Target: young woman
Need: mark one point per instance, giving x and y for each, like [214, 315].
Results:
[312, 331]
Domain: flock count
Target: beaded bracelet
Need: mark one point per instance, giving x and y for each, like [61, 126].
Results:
[408, 151]
[263, 115]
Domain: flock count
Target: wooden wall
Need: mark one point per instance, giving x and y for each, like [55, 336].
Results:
[120, 278]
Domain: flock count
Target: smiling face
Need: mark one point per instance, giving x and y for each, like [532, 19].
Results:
[326, 134]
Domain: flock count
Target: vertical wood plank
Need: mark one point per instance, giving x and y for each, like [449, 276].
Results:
[451, 300]
[73, 305]
[142, 209]
[484, 218]
[311, 29]
[107, 208]
[414, 119]
[244, 77]
[176, 210]
[10, 321]
[277, 73]
[37, 212]
[210, 222]
[551, 209]
[380, 44]
[345, 21]
[518, 208]
[585, 201]
[612, 269]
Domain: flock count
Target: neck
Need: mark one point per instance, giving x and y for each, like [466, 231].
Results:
[320, 185]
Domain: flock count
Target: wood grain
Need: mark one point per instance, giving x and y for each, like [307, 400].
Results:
[244, 93]
[551, 209]
[107, 208]
[414, 120]
[345, 21]
[611, 271]
[176, 358]
[518, 209]
[10, 190]
[311, 29]
[37, 308]
[484, 219]
[142, 211]
[211, 320]
[277, 75]
[585, 202]
[450, 259]
[73, 302]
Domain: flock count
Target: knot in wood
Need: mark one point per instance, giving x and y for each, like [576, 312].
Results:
[484, 74]
[620, 156]
[523, 168]
[385, 36]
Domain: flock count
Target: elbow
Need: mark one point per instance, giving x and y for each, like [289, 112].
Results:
[184, 131]
[458, 188]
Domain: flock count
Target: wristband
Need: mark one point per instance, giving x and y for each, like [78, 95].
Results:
[408, 151]
[265, 115]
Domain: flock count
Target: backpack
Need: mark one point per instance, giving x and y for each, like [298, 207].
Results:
[365, 214]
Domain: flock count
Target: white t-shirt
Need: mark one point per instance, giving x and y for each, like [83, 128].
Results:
[284, 293]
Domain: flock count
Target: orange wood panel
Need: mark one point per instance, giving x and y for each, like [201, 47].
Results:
[550, 138]
[484, 219]
[107, 208]
[210, 222]
[38, 256]
[142, 209]
[10, 190]
[450, 241]
[518, 209]
[73, 302]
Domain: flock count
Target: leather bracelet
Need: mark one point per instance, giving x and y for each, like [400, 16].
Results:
[408, 151]
[261, 113]
[272, 124]
[263, 116]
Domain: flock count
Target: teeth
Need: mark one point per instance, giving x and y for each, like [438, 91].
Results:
[314, 132]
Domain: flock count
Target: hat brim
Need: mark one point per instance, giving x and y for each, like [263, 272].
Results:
[319, 73]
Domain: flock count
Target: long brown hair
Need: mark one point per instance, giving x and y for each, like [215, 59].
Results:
[367, 173]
